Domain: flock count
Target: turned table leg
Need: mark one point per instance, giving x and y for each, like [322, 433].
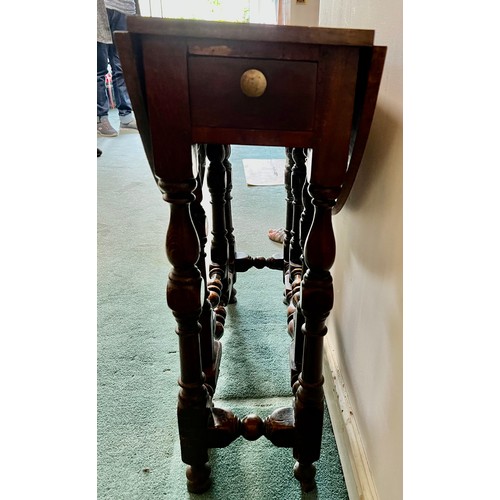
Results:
[211, 350]
[316, 302]
[183, 298]
[222, 244]
[230, 297]
[295, 269]
[288, 221]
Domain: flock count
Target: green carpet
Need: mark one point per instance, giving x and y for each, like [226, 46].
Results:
[138, 449]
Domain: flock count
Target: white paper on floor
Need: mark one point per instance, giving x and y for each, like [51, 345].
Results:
[264, 172]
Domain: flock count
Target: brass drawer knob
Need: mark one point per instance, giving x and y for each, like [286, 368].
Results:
[253, 83]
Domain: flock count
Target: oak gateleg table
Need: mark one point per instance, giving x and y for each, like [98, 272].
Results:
[196, 88]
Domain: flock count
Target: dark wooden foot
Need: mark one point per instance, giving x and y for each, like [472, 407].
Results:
[198, 478]
[305, 473]
[232, 297]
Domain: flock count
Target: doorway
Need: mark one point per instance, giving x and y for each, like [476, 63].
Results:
[246, 11]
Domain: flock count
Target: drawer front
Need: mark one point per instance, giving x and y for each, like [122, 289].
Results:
[217, 100]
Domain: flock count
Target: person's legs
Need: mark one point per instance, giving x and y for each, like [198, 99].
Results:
[103, 126]
[102, 69]
[118, 22]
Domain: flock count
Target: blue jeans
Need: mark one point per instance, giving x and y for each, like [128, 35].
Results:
[107, 52]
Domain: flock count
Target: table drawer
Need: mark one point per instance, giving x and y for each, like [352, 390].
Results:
[217, 100]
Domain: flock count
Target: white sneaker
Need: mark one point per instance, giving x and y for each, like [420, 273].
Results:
[104, 128]
[130, 125]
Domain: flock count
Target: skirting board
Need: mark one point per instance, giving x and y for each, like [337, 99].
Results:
[357, 473]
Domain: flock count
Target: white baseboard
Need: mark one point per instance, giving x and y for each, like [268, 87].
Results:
[357, 473]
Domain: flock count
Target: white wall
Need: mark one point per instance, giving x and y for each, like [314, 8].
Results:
[366, 324]
[304, 14]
